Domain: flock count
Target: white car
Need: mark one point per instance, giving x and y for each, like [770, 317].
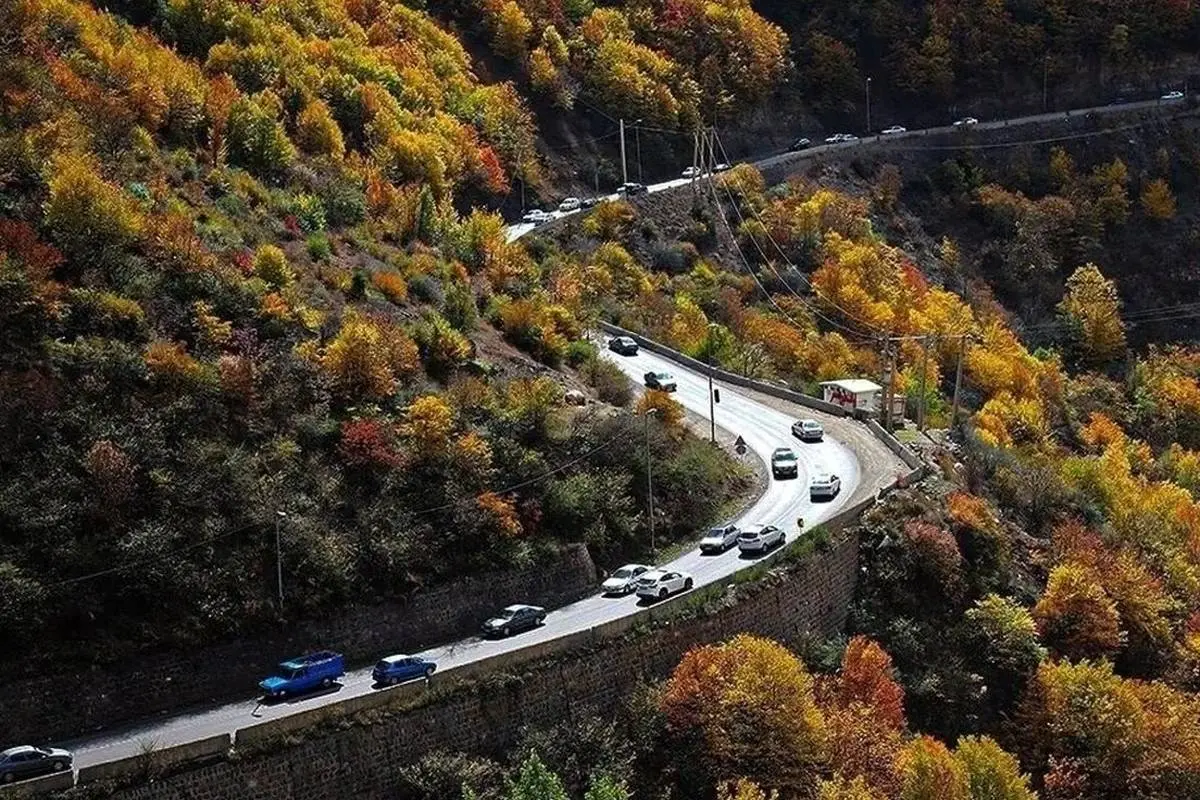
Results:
[718, 540]
[894, 129]
[824, 485]
[808, 430]
[722, 167]
[570, 204]
[659, 584]
[838, 138]
[958, 123]
[1172, 96]
[692, 172]
[537, 216]
[760, 538]
[624, 580]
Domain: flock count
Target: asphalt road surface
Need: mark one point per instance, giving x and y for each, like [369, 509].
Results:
[894, 140]
[763, 428]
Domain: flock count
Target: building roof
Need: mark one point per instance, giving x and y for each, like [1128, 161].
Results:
[856, 385]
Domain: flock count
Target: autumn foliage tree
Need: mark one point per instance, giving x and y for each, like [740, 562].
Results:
[1091, 310]
[746, 708]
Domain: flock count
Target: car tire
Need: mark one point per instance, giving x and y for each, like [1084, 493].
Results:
[662, 593]
[7, 777]
[505, 632]
[687, 584]
[59, 766]
[326, 683]
[428, 672]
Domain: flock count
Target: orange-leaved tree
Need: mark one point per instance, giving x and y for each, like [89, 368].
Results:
[864, 712]
[745, 708]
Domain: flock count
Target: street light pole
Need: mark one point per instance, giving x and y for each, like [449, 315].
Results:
[650, 482]
[868, 106]
[279, 517]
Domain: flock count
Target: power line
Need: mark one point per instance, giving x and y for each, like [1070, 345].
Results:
[869, 326]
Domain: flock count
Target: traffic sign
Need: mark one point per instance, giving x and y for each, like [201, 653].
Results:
[740, 446]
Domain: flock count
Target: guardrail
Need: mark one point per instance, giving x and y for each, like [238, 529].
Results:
[719, 374]
[910, 459]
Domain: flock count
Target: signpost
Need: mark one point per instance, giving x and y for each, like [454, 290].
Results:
[740, 446]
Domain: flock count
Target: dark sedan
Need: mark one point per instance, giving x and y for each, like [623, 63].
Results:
[623, 345]
[514, 619]
[19, 763]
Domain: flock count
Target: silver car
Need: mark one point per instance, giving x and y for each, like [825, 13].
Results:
[624, 580]
[824, 485]
[718, 540]
[808, 430]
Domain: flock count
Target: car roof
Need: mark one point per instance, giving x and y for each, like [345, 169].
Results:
[657, 572]
[757, 527]
[23, 748]
[395, 658]
[781, 450]
[518, 607]
[822, 476]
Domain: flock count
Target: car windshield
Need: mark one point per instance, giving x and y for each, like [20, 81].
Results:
[716, 533]
[507, 613]
[623, 572]
[785, 455]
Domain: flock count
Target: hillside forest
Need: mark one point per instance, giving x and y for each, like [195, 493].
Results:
[248, 279]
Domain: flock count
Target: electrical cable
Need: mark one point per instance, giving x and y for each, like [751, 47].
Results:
[869, 326]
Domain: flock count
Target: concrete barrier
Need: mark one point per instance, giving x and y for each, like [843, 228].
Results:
[111, 770]
[910, 459]
[723, 376]
[385, 698]
[154, 760]
[253, 735]
[31, 788]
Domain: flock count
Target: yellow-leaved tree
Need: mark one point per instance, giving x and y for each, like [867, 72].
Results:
[1091, 309]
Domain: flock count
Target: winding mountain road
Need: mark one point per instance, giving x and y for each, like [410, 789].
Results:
[906, 140]
[763, 423]
[764, 426]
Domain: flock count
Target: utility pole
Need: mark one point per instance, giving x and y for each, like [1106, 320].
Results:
[637, 137]
[712, 405]
[1045, 82]
[624, 172]
[891, 384]
[962, 351]
[650, 483]
[868, 106]
[885, 381]
[279, 517]
[924, 369]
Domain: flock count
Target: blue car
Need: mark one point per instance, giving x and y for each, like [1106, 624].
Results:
[400, 668]
[303, 674]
